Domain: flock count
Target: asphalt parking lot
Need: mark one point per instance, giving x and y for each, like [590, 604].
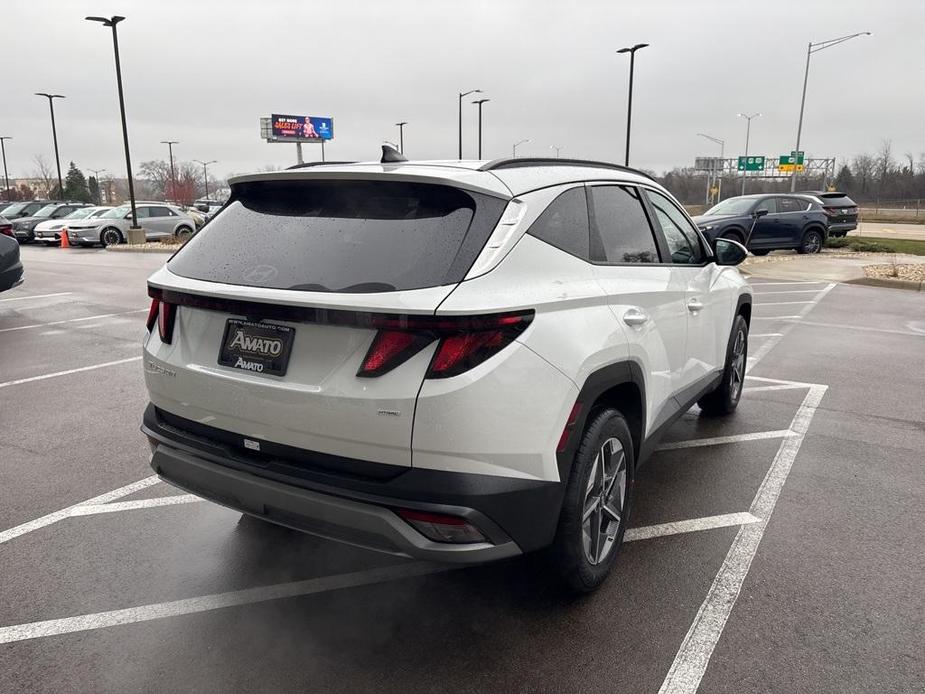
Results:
[778, 550]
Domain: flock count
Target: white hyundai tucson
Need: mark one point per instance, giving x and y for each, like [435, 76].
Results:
[455, 361]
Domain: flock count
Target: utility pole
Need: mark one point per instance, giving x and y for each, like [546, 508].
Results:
[205, 173]
[6, 175]
[401, 136]
[629, 104]
[461, 95]
[516, 145]
[479, 103]
[748, 130]
[173, 175]
[99, 191]
[54, 135]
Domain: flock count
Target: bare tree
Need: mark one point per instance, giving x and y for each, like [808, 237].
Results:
[44, 172]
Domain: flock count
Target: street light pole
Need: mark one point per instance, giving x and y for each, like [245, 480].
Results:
[479, 103]
[173, 175]
[516, 145]
[54, 135]
[99, 191]
[722, 163]
[112, 22]
[748, 130]
[629, 105]
[6, 175]
[401, 136]
[205, 172]
[461, 95]
[557, 148]
[810, 49]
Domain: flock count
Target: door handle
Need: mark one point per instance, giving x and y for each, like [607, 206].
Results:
[635, 317]
[694, 305]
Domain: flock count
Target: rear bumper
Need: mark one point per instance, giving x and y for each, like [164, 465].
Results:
[839, 227]
[516, 515]
[11, 276]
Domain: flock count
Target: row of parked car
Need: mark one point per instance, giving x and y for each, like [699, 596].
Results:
[763, 223]
[43, 221]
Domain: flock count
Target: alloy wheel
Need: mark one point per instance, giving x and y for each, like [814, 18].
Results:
[738, 366]
[604, 501]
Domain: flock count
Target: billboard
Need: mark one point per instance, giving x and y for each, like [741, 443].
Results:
[301, 128]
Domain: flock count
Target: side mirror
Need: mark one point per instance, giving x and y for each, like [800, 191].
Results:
[729, 252]
[128, 216]
[760, 213]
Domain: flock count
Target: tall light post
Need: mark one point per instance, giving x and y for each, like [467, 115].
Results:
[557, 148]
[748, 131]
[401, 136]
[516, 145]
[112, 22]
[629, 104]
[461, 95]
[6, 175]
[54, 134]
[173, 175]
[479, 103]
[99, 191]
[205, 172]
[722, 164]
[810, 49]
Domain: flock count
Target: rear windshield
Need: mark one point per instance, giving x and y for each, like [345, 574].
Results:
[836, 200]
[341, 236]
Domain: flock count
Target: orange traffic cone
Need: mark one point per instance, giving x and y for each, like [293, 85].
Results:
[64, 242]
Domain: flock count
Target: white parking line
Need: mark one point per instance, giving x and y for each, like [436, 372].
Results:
[68, 372]
[768, 345]
[781, 303]
[775, 317]
[92, 509]
[689, 526]
[36, 296]
[56, 516]
[695, 652]
[71, 320]
[769, 284]
[720, 440]
[864, 328]
[790, 291]
[764, 389]
[751, 335]
[248, 596]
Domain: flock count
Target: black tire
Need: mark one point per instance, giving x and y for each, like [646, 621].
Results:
[110, 236]
[183, 233]
[840, 234]
[725, 397]
[573, 547]
[812, 242]
[760, 251]
[733, 236]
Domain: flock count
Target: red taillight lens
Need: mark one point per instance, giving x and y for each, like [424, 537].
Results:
[569, 425]
[458, 353]
[152, 314]
[164, 315]
[7, 230]
[391, 348]
[442, 528]
[831, 211]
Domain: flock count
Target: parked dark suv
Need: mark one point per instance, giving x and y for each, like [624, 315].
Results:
[16, 210]
[24, 227]
[768, 222]
[841, 211]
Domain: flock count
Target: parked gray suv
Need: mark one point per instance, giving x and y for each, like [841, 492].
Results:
[158, 219]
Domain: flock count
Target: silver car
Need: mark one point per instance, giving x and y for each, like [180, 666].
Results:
[158, 219]
[50, 231]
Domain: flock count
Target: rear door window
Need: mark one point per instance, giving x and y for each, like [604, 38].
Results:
[349, 236]
[792, 205]
[620, 226]
[564, 223]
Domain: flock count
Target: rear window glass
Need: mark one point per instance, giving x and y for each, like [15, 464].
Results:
[830, 200]
[341, 236]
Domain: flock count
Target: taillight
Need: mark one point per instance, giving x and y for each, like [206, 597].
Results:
[442, 528]
[6, 230]
[164, 315]
[831, 211]
[463, 341]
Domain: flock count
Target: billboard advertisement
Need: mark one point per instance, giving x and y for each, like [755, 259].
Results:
[301, 128]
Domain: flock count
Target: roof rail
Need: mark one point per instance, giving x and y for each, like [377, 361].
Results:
[518, 162]
[317, 163]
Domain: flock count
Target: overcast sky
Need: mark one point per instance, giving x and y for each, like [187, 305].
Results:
[203, 72]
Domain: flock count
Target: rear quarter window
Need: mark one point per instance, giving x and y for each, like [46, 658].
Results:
[341, 236]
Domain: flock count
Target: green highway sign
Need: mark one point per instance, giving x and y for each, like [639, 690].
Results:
[751, 163]
[787, 159]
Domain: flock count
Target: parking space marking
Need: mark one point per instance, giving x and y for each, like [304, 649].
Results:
[775, 317]
[115, 507]
[35, 296]
[864, 328]
[769, 284]
[720, 440]
[71, 320]
[68, 372]
[768, 345]
[56, 516]
[765, 335]
[763, 389]
[790, 291]
[725, 520]
[695, 652]
[781, 303]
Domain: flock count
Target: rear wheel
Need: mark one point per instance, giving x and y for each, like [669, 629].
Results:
[733, 236]
[110, 236]
[725, 397]
[596, 507]
[812, 242]
[183, 233]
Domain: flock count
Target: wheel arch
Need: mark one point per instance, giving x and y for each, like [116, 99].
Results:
[744, 308]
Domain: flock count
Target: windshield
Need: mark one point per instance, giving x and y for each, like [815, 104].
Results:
[98, 212]
[732, 206]
[340, 236]
[81, 213]
[116, 213]
[46, 211]
[14, 209]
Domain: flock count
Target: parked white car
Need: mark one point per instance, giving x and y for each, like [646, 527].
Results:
[158, 219]
[50, 231]
[456, 361]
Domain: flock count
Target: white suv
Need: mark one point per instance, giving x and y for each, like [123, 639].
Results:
[457, 361]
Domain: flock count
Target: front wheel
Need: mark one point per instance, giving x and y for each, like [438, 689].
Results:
[725, 397]
[110, 237]
[812, 242]
[184, 233]
[760, 251]
[596, 507]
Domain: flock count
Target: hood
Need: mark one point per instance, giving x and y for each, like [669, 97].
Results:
[87, 223]
[30, 222]
[714, 218]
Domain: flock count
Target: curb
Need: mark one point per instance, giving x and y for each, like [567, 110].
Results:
[142, 248]
[892, 282]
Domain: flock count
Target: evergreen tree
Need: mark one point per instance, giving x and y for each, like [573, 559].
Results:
[75, 185]
[844, 181]
[93, 186]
